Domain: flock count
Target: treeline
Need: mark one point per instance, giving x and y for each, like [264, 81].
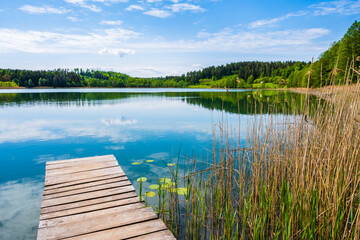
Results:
[332, 65]
[342, 58]
[79, 78]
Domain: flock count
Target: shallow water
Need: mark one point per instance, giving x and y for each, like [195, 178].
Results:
[133, 124]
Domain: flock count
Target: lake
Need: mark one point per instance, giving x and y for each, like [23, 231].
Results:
[39, 125]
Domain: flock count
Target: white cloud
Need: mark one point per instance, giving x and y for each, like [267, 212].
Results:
[73, 19]
[158, 13]
[342, 7]
[153, 1]
[20, 203]
[203, 34]
[180, 7]
[83, 4]
[264, 22]
[116, 51]
[111, 1]
[298, 41]
[119, 121]
[50, 42]
[113, 23]
[41, 10]
[134, 7]
[245, 41]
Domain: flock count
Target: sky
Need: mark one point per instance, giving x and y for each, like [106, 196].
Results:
[151, 38]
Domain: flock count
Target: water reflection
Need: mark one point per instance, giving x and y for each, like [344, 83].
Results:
[40, 126]
[20, 209]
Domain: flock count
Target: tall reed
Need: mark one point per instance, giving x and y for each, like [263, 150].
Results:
[297, 176]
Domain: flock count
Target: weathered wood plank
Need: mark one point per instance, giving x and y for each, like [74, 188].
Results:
[64, 165]
[90, 208]
[163, 235]
[92, 222]
[80, 168]
[91, 198]
[90, 202]
[86, 196]
[81, 160]
[87, 190]
[85, 185]
[80, 176]
[83, 181]
[125, 232]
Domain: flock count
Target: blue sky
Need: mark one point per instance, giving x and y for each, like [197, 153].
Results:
[146, 38]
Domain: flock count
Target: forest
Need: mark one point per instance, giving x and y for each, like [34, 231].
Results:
[332, 64]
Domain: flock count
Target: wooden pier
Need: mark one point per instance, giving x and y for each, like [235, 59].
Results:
[91, 198]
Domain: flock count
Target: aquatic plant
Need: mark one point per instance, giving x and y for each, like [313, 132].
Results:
[141, 180]
[296, 177]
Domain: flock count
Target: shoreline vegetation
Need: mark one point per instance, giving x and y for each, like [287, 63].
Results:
[295, 177]
[334, 63]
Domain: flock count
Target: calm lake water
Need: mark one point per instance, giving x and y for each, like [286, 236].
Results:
[133, 124]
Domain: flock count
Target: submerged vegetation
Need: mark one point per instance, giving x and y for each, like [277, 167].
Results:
[296, 177]
[233, 75]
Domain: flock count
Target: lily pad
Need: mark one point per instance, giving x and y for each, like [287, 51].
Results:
[150, 194]
[171, 164]
[136, 163]
[168, 185]
[149, 161]
[165, 180]
[154, 186]
[181, 191]
[142, 179]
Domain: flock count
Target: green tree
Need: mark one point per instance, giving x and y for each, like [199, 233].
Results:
[250, 79]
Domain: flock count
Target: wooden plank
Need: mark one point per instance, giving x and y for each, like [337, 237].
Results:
[91, 198]
[85, 185]
[83, 181]
[82, 218]
[92, 222]
[163, 235]
[80, 176]
[125, 232]
[86, 196]
[96, 207]
[81, 160]
[80, 169]
[87, 190]
[87, 202]
[53, 170]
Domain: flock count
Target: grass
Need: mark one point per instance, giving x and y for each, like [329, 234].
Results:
[297, 177]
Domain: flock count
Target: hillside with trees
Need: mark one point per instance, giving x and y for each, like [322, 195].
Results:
[330, 67]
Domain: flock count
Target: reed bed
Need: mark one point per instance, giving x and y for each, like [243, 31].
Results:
[297, 177]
